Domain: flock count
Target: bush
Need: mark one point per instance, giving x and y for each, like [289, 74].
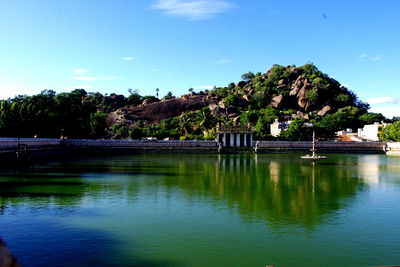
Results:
[230, 100]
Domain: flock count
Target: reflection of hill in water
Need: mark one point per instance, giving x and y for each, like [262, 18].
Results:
[275, 188]
[278, 189]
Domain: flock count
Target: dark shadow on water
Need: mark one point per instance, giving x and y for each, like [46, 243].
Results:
[46, 244]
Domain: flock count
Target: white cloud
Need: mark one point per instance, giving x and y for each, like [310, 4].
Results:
[383, 100]
[129, 58]
[388, 112]
[375, 58]
[193, 9]
[153, 69]
[366, 57]
[80, 71]
[84, 78]
[362, 56]
[205, 87]
[224, 61]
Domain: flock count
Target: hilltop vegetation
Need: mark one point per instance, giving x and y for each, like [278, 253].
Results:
[302, 94]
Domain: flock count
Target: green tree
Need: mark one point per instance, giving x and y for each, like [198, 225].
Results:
[97, 124]
[265, 118]
[391, 132]
[370, 118]
[169, 95]
[295, 131]
[247, 76]
[134, 98]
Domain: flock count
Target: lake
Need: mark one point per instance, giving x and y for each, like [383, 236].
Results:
[203, 210]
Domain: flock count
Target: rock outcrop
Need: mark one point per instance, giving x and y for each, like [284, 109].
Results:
[155, 112]
[302, 92]
[6, 258]
[299, 90]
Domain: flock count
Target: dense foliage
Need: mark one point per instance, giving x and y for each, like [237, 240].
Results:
[69, 115]
[297, 94]
[391, 132]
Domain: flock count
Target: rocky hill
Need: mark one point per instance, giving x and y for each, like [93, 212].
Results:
[288, 92]
[300, 94]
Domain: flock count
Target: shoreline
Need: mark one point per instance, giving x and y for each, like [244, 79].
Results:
[21, 149]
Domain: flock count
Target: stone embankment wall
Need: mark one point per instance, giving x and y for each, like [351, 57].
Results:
[393, 149]
[11, 145]
[324, 147]
[145, 145]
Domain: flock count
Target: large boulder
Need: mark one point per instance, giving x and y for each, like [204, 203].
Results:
[240, 84]
[6, 258]
[241, 102]
[221, 104]
[215, 109]
[148, 101]
[231, 110]
[299, 90]
[236, 120]
[277, 101]
[324, 111]
[281, 83]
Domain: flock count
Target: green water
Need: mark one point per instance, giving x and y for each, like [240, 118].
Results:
[204, 210]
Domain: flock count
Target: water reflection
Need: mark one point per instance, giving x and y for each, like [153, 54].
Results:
[275, 189]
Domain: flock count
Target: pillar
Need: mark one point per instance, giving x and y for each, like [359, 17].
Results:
[224, 140]
[245, 140]
[232, 139]
[251, 139]
[238, 140]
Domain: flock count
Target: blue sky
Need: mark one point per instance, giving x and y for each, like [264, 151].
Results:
[110, 46]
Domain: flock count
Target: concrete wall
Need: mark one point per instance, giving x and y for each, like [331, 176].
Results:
[10, 145]
[326, 147]
[393, 149]
[31, 142]
[142, 144]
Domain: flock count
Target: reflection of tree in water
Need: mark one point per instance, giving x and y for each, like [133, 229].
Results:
[40, 189]
[64, 184]
[277, 188]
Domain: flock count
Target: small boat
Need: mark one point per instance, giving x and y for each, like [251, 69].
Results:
[313, 157]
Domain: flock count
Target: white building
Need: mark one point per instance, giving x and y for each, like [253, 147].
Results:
[277, 127]
[371, 132]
